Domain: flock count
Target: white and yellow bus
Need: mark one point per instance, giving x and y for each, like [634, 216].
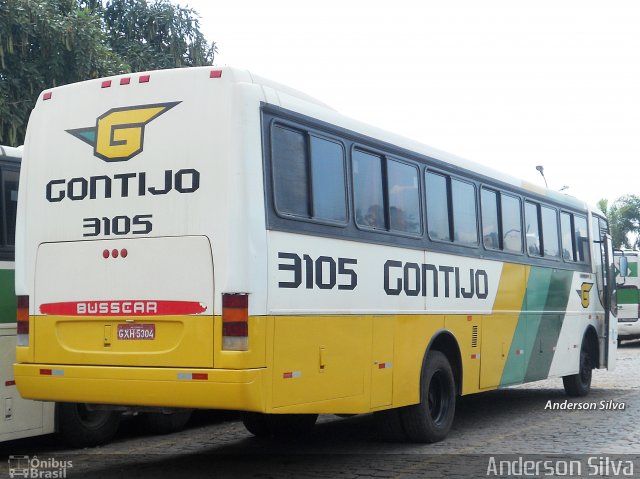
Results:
[79, 424]
[206, 238]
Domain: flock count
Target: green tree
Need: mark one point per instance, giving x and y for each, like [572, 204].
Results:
[155, 35]
[47, 43]
[624, 220]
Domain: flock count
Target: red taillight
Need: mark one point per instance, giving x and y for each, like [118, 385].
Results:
[215, 74]
[235, 322]
[22, 318]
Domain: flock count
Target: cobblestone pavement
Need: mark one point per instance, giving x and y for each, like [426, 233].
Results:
[508, 424]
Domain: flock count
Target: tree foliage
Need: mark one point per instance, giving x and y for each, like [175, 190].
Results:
[624, 220]
[47, 43]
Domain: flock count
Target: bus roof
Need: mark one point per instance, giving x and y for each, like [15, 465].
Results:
[291, 100]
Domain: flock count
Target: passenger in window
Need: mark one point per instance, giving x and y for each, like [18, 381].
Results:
[397, 218]
[374, 217]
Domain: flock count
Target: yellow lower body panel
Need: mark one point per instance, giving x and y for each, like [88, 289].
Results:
[222, 389]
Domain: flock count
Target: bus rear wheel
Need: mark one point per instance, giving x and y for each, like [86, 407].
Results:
[578, 385]
[82, 426]
[256, 423]
[160, 423]
[430, 420]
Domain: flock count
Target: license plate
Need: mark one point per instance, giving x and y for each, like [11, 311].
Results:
[136, 331]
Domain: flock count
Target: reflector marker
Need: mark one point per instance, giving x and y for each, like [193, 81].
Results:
[475, 356]
[125, 81]
[106, 84]
[144, 78]
[11, 382]
[386, 365]
[193, 376]
[215, 74]
[52, 372]
[519, 352]
[47, 95]
[292, 375]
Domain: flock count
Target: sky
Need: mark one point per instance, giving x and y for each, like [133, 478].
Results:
[508, 84]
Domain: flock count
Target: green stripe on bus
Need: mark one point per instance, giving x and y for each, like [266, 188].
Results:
[539, 324]
[535, 299]
[549, 326]
[7, 296]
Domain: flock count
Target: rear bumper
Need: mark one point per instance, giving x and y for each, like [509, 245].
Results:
[242, 390]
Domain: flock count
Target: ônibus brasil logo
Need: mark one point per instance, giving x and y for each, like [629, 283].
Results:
[119, 132]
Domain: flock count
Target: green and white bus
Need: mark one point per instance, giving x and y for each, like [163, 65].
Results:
[20, 417]
[628, 293]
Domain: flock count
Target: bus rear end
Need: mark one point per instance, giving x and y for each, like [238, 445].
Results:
[126, 216]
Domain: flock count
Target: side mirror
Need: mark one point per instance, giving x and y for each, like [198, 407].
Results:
[624, 267]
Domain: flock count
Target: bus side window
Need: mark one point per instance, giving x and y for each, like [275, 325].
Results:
[367, 190]
[567, 237]
[550, 232]
[511, 223]
[465, 223]
[532, 228]
[437, 207]
[290, 171]
[308, 181]
[327, 177]
[489, 206]
[581, 238]
[404, 197]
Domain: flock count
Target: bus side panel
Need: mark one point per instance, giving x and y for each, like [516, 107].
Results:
[498, 329]
[580, 314]
[319, 358]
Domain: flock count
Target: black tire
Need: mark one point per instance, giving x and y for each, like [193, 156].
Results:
[159, 423]
[289, 426]
[430, 420]
[256, 424]
[389, 425]
[578, 385]
[81, 426]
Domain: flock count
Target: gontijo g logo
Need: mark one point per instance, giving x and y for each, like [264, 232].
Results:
[119, 133]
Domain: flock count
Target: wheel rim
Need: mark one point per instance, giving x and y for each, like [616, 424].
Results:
[92, 419]
[438, 397]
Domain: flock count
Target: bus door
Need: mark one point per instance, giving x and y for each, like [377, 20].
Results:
[604, 269]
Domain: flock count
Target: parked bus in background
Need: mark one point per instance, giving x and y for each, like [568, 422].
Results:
[207, 238]
[628, 294]
[21, 417]
[79, 424]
